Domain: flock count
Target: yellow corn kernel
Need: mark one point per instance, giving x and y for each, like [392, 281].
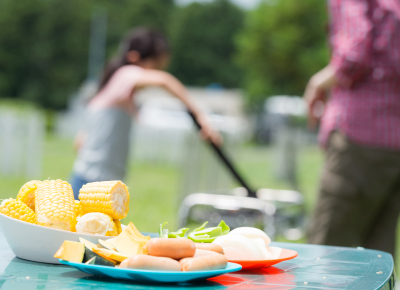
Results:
[114, 231]
[27, 193]
[18, 210]
[118, 225]
[109, 197]
[78, 208]
[55, 206]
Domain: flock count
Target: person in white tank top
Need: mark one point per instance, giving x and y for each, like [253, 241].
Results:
[103, 142]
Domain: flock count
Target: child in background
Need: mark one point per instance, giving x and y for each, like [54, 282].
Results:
[103, 143]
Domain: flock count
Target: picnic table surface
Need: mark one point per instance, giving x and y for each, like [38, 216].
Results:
[316, 267]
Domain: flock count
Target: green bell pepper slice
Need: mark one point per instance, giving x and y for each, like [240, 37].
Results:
[202, 227]
[163, 233]
[198, 235]
[224, 227]
[208, 235]
[178, 234]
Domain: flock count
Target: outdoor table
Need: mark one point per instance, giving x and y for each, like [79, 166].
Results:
[316, 267]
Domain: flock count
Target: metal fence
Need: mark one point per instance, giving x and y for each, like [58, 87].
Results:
[22, 136]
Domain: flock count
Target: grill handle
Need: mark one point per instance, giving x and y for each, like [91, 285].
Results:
[226, 161]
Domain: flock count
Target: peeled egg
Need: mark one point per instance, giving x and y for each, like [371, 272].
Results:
[259, 241]
[275, 252]
[247, 243]
[264, 249]
[252, 233]
[238, 247]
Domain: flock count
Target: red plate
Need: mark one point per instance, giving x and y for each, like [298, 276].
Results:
[257, 264]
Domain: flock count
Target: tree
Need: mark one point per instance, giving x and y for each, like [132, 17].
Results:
[203, 43]
[44, 44]
[42, 47]
[282, 44]
[126, 14]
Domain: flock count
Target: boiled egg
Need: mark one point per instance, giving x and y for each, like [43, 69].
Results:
[247, 243]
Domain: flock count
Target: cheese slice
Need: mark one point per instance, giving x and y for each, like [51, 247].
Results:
[130, 241]
[106, 245]
[71, 251]
[109, 254]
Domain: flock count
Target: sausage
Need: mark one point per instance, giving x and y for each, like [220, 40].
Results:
[209, 262]
[210, 247]
[151, 263]
[171, 248]
[200, 253]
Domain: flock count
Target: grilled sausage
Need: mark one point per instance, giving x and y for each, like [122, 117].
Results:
[151, 263]
[171, 248]
[210, 247]
[200, 253]
[209, 262]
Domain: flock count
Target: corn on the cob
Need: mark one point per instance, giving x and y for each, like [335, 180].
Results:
[78, 208]
[96, 223]
[113, 231]
[54, 201]
[18, 210]
[118, 225]
[27, 193]
[109, 197]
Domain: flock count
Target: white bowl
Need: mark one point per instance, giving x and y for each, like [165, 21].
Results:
[37, 243]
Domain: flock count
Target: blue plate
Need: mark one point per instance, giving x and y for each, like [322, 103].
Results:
[150, 275]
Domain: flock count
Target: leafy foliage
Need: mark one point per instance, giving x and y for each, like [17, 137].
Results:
[203, 43]
[44, 44]
[281, 45]
[126, 14]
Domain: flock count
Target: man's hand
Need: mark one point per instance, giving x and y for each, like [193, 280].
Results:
[316, 94]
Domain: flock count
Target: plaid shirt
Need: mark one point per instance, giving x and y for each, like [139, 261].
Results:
[365, 104]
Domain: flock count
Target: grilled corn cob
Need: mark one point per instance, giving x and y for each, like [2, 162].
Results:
[54, 203]
[18, 210]
[109, 197]
[96, 223]
[27, 193]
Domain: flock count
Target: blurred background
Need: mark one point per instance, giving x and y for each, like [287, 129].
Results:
[245, 62]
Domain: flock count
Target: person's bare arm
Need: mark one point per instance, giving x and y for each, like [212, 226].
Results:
[351, 38]
[316, 93]
[177, 89]
[78, 142]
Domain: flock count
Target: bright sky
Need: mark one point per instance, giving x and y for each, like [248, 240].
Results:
[247, 4]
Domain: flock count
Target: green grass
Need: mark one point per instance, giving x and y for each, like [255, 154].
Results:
[154, 188]
[154, 191]
[257, 165]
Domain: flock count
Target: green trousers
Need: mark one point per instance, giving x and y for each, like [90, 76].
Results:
[359, 197]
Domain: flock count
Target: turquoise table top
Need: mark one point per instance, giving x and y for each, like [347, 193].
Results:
[316, 267]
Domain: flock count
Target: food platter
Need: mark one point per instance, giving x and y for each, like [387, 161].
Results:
[257, 264]
[45, 224]
[150, 275]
